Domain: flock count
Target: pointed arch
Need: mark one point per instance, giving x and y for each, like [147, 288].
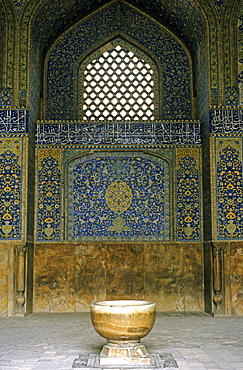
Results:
[172, 54]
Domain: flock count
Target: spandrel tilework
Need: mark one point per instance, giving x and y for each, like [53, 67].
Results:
[229, 189]
[118, 197]
[10, 189]
[174, 13]
[65, 56]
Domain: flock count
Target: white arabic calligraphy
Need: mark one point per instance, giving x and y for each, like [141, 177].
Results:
[118, 133]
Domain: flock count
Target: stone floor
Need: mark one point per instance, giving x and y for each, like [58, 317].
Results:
[54, 341]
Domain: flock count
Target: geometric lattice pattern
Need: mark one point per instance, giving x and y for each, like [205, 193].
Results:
[188, 200]
[10, 196]
[49, 201]
[118, 197]
[118, 86]
[230, 194]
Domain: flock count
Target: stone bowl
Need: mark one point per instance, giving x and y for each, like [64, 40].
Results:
[123, 321]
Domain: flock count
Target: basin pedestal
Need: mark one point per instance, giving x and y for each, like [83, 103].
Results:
[124, 354]
[123, 323]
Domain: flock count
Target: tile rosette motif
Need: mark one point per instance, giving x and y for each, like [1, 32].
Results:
[118, 197]
[121, 196]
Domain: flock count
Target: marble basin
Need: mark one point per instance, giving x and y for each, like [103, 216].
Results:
[123, 323]
[123, 320]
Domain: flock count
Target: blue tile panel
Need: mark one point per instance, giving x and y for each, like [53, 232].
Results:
[181, 15]
[230, 192]
[188, 200]
[122, 196]
[14, 121]
[67, 54]
[10, 196]
[155, 133]
[49, 201]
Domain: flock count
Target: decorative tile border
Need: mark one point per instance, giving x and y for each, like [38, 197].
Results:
[229, 193]
[49, 196]
[124, 133]
[14, 121]
[188, 195]
[226, 120]
[11, 152]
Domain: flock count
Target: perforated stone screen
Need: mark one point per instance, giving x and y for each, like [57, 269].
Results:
[117, 86]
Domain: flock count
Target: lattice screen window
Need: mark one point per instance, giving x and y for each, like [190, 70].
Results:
[118, 84]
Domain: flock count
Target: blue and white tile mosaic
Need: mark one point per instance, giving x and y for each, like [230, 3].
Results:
[182, 15]
[121, 196]
[49, 200]
[229, 189]
[188, 200]
[67, 54]
[10, 196]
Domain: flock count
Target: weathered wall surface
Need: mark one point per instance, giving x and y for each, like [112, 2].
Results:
[70, 276]
[236, 278]
[3, 278]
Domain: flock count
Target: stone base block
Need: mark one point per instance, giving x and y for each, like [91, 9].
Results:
[158, 361]
[124, 354]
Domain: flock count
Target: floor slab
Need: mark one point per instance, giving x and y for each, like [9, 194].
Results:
[53, 341]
